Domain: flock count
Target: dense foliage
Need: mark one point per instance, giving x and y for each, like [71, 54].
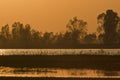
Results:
[76, 35]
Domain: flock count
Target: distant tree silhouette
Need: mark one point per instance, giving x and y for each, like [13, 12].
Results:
[48, 39]
[5, 32]
[5, 35]
[90, 38]
[76, 35]
[78, 29]
[100, 38]
[17, 31]
[110, 21]
[27, 33]
[35, 35]
[58, 39]
[68, 39]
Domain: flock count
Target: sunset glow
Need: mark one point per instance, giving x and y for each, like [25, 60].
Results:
[53, 15]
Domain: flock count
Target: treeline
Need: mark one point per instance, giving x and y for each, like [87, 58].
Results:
[75, 36]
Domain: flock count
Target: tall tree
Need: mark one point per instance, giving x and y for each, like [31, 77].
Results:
[27, 33]
[5, 35]
[77, 28]
[48, 38]
[5, 31]
[17, 31]
[109, 23]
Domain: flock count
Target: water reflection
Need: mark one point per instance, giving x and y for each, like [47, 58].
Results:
[59, 51]
[111, 73]
[52, 72]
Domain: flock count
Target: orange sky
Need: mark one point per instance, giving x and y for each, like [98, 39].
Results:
[53, 15]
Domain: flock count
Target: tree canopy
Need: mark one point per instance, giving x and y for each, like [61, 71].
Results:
[75, 36]
[109, 22]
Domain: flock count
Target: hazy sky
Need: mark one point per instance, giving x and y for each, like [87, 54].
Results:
[53, 15]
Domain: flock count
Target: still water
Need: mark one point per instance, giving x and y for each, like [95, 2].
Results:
[57, 72]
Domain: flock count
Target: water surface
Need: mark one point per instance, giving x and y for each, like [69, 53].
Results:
[56, 72]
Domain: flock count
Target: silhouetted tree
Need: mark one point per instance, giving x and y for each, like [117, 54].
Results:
[109, 22]
[78, 29]
[27, 33]
[118, 32]
[17, 31]
[76, 36]
[68, 39]
[4, 35]
[47, 39]
[58, 39]
[100, 39]
[90, 38]
[36, 35]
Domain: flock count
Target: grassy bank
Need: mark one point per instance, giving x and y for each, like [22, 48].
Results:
[65, 61]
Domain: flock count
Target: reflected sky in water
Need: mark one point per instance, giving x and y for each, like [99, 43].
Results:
[56, 72]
